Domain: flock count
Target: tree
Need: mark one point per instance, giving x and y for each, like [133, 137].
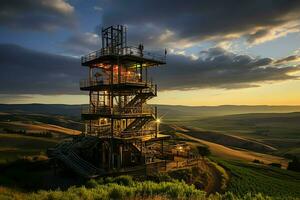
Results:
[294, 165]
[203, 150]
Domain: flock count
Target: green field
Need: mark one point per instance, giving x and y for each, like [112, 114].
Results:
[14, 146]
[279, 130]
[244, 178]
[260, 126]
[34, 118]
[254, 178]
[124, 187]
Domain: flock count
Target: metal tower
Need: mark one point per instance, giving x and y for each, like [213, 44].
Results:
[119, 87]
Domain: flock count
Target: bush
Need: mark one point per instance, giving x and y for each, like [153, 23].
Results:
[109, 180]
[182, 174]
[123, 180]
[275, 165]
[91, 183]
[120, 192]
[203, 150]
[100, 181]
[195, 171]
[139, 190]
[199, 185]
[294, 165]
[160, 177]
[256, 161]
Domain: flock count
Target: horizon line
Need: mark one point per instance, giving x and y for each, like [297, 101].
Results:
[159, 104]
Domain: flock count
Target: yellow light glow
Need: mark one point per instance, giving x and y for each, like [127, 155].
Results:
[180, 148]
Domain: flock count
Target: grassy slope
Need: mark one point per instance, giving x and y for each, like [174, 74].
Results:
[236, 154]
[34, 118]
[279, 130]
[14, 146]
[261, 125]
[179, 113]
[245, 177]
[38, 128]
[279, 184]
[258, 178]
[123, 189]
[175, 112]
[226, 139]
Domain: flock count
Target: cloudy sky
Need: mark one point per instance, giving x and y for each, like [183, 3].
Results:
[219, 52]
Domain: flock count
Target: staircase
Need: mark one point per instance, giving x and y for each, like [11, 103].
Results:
[66, 154]
[79, 165]
[142, 97]
[136, 147]
[137, 124]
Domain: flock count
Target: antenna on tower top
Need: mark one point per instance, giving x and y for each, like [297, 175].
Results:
[114, 39]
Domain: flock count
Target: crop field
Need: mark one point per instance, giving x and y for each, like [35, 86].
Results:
[255, 178]
[124, 187]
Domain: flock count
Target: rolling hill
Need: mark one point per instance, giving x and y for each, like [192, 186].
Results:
[231, 153]
[278, 130]
[31, 121]
[235, 140]
[168, 111]
[257, 128]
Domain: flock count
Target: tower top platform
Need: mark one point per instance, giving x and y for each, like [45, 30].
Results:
[124, 55]
[116, 51]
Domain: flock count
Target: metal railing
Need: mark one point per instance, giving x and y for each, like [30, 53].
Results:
[152, 88]
[96, 110]
[143, 96]
[123, 79]
[127, 111]
[130, 50]
[99, 130]
[137, 133]
[105, 130]
[133, 110]
[91, 83]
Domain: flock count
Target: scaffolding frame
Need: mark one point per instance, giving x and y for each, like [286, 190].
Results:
[119, 88]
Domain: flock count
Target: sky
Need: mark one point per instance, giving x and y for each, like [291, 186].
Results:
[219, 52]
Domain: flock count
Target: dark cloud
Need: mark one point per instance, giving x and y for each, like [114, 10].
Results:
[41, 15]
[251, 38]
[218, 68]
[82, 43]
[198, 20]
[24, 71]
[288, 59]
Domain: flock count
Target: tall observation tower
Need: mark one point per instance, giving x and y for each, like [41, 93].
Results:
[119, 125]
